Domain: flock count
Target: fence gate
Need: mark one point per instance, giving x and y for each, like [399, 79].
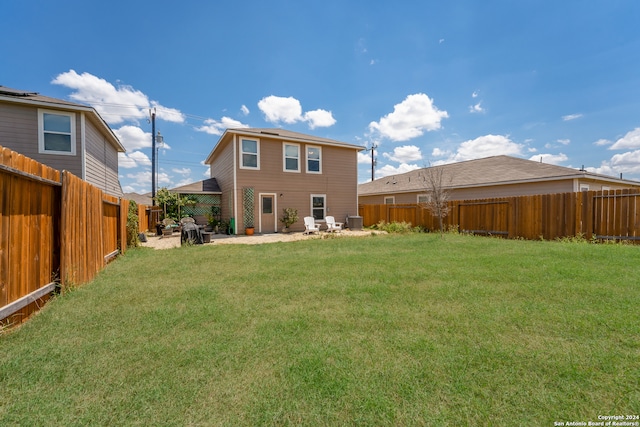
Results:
[616, 215]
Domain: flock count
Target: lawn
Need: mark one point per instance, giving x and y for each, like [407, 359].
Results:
[379, 330]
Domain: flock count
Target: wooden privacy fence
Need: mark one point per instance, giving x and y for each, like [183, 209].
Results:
[148, 217]
[54, 229]
[608, 215]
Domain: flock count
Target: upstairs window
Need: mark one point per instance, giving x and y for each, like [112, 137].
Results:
[389, 200]
[56, 132]
[250, 154]
[314, 159]
[291, 153]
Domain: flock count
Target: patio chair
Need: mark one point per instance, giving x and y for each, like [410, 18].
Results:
[310, 225]
[332, 225]
[168, 225]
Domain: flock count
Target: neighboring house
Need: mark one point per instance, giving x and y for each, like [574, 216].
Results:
[498, 176]
[206, 194]
[62, 135]
[262, 171]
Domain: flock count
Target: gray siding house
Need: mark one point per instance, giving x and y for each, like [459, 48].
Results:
[62, 135]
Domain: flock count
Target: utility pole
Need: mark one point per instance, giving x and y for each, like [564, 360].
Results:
[373, 161]
[153, 156]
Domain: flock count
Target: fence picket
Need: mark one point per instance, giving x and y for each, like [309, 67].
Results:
[52, 226]
[605, 214]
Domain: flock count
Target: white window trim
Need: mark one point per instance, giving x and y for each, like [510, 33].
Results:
[306, 155]
[241, 153]
[393, 200]
[41, 148]
[427, 196]
[284, 157]
[324, 196]
[584, 187]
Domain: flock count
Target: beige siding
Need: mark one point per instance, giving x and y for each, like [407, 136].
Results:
[222, 171]
[524, 189]
[19, 132]
[338, 181]
[101, 167]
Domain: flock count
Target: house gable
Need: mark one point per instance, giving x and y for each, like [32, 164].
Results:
[93, 153]
[495, 176]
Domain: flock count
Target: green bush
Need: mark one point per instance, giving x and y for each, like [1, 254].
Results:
[397, 227]
[132, 225]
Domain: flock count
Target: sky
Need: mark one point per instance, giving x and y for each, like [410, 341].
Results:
[424, 82]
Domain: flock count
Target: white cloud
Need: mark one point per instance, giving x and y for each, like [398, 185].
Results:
[625, 163]
[486, 146]
[440, 153]
[183, 171]
[570, 117]
[319, 118]
[630, 140]
[364, 158]
[215, 127]
[404, 154]
[167, 114]
[564, 141]
[602, 142]
[244, 110]
[133, 160]
[114, 104]
[288, 110]
[133, 138]
[476, 108]
[393, 170]
[409, 119]
[475, 94]
[279, 109]
[553, 159]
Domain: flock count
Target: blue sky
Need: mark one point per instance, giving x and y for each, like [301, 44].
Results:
[426, 82]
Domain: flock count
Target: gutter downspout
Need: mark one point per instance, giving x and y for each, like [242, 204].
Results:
[235, 183]
[83, 146]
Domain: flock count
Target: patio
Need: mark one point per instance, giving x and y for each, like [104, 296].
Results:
[173, 241]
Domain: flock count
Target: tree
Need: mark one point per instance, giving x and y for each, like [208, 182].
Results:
[172, 202]
[438, 193]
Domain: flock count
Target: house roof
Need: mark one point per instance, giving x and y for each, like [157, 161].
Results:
[496, 170]
[33, 98]
[285, 135]
[206, 186]
[141, 199]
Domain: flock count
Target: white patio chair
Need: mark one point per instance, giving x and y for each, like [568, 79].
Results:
[310, 225]
[332, 225]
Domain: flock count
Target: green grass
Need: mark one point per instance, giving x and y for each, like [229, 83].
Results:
[382, 330]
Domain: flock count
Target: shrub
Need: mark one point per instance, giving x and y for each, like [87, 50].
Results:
[132, 225]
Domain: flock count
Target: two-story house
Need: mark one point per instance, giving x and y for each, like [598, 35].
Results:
[62, 135]
[262, 171]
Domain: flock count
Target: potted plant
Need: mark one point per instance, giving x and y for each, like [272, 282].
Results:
[211, 223]
[289, 217]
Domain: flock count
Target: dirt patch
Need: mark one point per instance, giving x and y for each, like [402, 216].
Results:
[173, 241]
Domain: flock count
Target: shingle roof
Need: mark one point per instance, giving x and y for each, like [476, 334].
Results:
[290, 135]
[209, 186]
[494, 170]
